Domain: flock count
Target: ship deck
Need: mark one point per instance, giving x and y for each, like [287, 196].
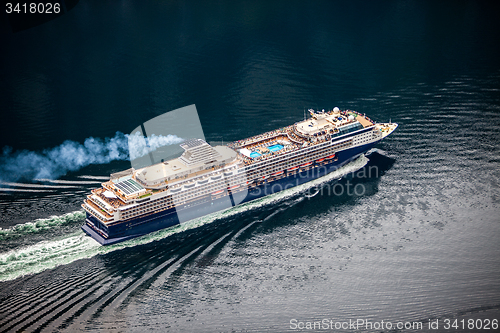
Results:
[363, 121]
[249, 151]
[114, 202]
[255, 149]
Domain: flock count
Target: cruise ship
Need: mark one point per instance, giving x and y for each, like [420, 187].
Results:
[206, 179]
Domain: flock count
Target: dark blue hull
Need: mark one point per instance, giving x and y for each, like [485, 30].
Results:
[140, 226]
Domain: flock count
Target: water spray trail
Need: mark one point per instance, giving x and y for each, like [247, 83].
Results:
[72, 156]
[40, 225]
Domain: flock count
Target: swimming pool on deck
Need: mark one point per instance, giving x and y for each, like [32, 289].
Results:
[275, 148]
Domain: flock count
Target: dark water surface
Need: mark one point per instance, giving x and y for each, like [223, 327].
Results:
[422, 242]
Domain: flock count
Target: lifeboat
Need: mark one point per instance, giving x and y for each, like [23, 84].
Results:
[218, 192]
[291, 169]
[306, 164]
[233, 187]
[320, 160]
[277, 173]
[330, 157]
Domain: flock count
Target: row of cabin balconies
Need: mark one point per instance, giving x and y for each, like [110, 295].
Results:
[152, 207]
[96, 211]
[210, 187]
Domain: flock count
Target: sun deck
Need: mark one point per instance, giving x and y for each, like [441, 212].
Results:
[198, 158]
[363, 121]
[116, 201]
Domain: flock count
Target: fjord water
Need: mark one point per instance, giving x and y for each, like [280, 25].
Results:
[420, 243]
